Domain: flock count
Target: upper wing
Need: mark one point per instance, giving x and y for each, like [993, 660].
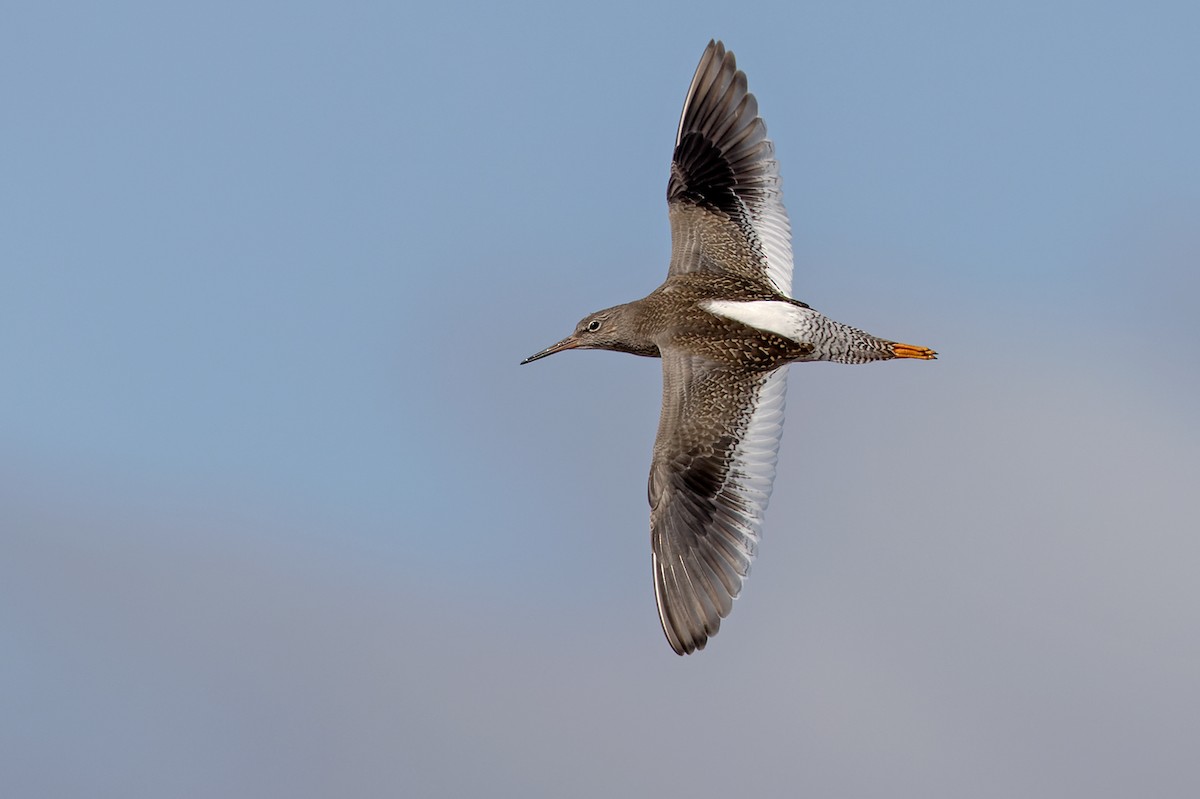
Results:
[724, 196]
[714, 463]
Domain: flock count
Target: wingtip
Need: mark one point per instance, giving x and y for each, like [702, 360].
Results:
[682, 649]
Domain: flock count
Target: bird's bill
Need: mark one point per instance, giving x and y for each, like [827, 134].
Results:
[568, 343]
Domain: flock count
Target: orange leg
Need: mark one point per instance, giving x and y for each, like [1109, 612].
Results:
[912, 351]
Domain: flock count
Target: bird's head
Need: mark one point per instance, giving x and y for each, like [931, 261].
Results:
[610, 329]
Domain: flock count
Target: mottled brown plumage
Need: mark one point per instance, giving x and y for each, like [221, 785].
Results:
[726, 329]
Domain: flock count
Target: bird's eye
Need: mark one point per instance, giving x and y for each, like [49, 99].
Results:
[593, 326]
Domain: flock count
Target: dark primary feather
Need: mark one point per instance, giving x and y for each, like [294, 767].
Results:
[724, 192]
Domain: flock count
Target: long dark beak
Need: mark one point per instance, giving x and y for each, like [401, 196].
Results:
[568, 343]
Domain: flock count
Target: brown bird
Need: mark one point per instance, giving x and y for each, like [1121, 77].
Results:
[726, 329]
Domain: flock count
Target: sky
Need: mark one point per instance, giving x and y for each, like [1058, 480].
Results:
[280, 514]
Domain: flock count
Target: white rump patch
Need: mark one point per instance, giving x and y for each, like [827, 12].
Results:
[771, 316]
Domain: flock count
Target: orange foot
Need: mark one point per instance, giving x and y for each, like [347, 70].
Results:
[913, 351]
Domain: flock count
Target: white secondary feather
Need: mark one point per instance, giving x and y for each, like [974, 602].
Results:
[770, 222]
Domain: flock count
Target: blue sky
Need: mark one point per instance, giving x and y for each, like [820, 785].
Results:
[283, 517]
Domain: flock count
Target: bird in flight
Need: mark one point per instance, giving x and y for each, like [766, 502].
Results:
[726, 327]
